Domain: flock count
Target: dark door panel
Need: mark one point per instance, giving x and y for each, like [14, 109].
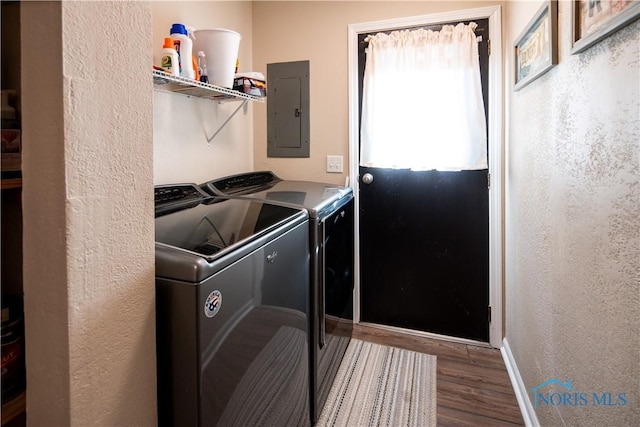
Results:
[425, 251]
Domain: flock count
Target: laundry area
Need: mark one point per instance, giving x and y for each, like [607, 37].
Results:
[196, 231]
[254, 273]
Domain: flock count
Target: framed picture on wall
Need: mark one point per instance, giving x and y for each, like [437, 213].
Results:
[593, 20]
[536, 49]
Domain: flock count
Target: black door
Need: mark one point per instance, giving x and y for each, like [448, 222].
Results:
[424, 243]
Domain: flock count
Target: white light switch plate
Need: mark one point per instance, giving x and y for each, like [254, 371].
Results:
[334, 164]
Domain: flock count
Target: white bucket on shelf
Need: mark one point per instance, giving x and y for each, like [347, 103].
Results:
[220, 47]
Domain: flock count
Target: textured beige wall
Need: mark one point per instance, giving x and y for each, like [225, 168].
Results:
[317, 32]
[572, 239]
[88, 213]
[182, 125]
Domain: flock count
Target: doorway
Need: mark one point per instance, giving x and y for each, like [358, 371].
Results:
[428, 269]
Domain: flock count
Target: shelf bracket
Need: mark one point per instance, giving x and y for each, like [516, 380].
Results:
[169, 83]
[244, 103]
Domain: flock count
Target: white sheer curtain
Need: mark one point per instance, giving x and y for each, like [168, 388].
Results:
[422, 103]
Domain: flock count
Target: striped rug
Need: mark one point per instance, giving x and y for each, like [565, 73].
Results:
[382, 386]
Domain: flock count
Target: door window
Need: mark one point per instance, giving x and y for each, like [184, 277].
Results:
[422, 105]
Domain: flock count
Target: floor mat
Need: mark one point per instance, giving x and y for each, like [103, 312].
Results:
[379, 385]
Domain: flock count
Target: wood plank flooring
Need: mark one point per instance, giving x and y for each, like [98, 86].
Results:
[472, 382]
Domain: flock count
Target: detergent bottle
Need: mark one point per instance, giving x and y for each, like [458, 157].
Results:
[184, 46]
[170, 60]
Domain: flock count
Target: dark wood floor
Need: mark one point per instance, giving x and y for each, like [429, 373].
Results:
[473, 385]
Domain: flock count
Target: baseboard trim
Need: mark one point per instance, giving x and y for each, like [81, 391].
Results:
[526, 408]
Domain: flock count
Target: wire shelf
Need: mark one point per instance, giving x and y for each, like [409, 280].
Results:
[176, 84]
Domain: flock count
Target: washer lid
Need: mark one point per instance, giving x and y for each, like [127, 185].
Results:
[315, 197]
[215, 227]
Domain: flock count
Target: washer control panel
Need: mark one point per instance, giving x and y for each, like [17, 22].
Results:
[169, 198]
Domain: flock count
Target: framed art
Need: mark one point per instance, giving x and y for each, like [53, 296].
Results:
[536, 49]
[593, 20]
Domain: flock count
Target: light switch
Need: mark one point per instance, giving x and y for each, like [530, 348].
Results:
[334, 164]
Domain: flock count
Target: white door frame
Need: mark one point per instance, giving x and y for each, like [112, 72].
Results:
[493, 13]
